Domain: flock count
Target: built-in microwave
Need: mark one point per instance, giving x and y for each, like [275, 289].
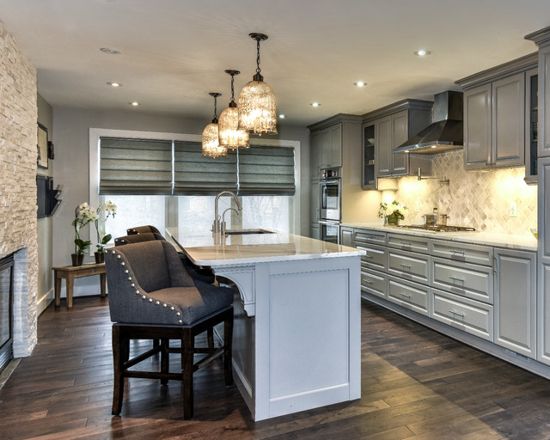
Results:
[330, 192]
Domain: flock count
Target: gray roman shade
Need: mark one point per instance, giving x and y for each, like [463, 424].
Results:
[135, 166]
[195, 174]
[266, 171]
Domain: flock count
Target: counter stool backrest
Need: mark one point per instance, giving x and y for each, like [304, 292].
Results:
[137, 238]
[142, 230]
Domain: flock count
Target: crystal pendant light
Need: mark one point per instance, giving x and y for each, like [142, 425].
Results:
[229, 133]
[257, 103]
[210, 144]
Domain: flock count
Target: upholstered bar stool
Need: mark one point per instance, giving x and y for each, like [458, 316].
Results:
[138, 238]
[153, 297]
[142, 230]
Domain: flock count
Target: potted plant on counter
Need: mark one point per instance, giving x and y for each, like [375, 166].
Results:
[103, 212]
[392, 212]
[83, 215]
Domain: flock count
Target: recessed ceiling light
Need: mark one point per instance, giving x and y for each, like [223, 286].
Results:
[134, 103]
[282, 116]
[109, 51]
[114, 84]
[315, 104]
[422, 52]
[360, 83]
[434, 146]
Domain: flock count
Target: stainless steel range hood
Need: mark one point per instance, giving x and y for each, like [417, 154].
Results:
[446, 131]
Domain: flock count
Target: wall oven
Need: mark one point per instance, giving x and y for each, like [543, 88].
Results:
[330, 231]
[330, 189]
[330, 193]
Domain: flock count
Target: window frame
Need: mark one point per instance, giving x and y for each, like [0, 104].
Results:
[94, 165]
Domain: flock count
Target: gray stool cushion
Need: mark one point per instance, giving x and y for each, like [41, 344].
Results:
[148, 284]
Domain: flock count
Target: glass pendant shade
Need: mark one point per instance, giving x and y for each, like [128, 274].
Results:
[230, 135]
[210, 143]
[257, 103]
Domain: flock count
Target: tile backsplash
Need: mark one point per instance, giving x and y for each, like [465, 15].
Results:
[495, 201]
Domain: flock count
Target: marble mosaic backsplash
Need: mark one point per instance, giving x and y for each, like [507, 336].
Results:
[495, 201]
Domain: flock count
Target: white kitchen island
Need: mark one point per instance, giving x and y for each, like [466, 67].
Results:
[297, 335]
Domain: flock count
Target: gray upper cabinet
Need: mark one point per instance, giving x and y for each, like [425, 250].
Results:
[384, 146]
[508, 121]
[394, 124]
[326, 145]
[495, 113]
[544, 101]
[400, 133]
[477, 126]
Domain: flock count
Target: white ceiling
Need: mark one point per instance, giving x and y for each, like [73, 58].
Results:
[175, 51]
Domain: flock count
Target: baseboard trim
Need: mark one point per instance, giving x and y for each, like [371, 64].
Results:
[488, 347]
[44, 301]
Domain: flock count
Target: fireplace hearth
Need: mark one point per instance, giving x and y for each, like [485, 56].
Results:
[6, 310]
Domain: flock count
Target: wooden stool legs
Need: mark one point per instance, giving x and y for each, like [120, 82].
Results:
[188, 349]
[122, 333]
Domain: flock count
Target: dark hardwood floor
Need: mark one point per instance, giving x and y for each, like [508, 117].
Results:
[417, 384]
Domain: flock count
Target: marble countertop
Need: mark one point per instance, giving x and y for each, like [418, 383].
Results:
[214, 250]
[508, 241]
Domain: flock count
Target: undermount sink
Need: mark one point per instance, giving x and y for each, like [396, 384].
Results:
[248, 231]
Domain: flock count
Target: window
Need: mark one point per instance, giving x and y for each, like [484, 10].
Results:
[191, 208]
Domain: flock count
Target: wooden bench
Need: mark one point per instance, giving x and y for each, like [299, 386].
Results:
[69, 273]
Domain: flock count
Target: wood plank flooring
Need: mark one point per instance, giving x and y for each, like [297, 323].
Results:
[416, 384]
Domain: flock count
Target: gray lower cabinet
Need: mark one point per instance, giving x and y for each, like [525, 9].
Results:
[464, 314]
[481, 290]
[346, 236]
[315, 231]
[543, 290]
[515, 302]
[543, 311]
[409, 295]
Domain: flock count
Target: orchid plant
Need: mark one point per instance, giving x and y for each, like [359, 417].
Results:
[103, 213]
[83, 215]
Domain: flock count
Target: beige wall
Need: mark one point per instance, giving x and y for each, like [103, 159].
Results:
[71, 134]
[18, 154]
[45, 225]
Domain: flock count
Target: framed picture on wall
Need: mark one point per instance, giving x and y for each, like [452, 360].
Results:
[42, 146]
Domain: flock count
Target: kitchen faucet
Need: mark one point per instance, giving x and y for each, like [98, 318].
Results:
[217, 224]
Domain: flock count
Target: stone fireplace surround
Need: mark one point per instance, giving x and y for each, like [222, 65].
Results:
[18, 223]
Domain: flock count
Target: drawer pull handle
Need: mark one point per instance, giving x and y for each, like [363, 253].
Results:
[452, 312]
[404, 295]
[457, 254]
[457, 280]
[368, 256]
[406, 267]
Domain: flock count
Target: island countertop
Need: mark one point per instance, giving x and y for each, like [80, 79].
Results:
[216, 250]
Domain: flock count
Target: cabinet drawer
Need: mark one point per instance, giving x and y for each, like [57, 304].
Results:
[467, 253]
[363, 236]
[464, 279]
[409, 295]
[375, 257]
[410, 266]
[375, 283]
[470, 316]
[409, 243]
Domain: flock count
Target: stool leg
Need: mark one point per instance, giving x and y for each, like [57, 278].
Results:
[227, 348]
[155, 343]
[210, 337]
[188, 346]
[118, 384]
[164, 358]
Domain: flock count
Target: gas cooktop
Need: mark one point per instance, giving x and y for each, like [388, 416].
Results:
[439, 228]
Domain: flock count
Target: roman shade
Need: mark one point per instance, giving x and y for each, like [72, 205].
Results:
[195, 174]
[266, 171]
[135, 166]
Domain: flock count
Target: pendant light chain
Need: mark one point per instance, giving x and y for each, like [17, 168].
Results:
[232, 87]
[258, 70]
